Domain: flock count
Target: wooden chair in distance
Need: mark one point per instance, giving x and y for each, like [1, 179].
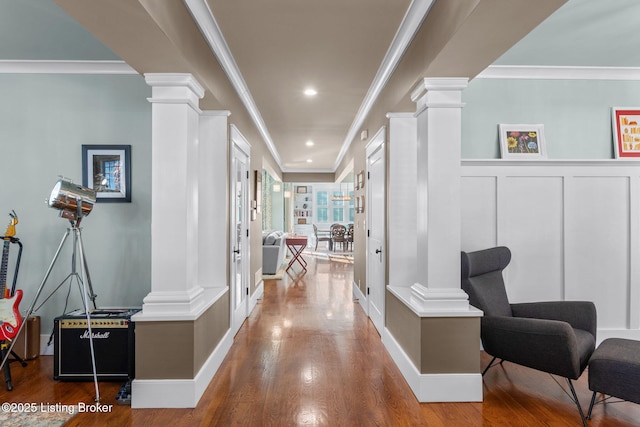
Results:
[321, 237]
[338, 232]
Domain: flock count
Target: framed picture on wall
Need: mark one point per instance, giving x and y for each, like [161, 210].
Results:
[360, 180]
[522, 141]
[626, 132]
[107, 170]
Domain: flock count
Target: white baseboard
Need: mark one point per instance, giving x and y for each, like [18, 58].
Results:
[362, 299]
[179, 393]
[46, 350]
[253, 301]
[434, 387]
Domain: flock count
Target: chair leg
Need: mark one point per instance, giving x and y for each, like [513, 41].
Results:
[489, 365]
[577, 402]
[593, 401]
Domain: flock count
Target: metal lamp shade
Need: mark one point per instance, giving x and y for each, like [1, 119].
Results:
[73, 201]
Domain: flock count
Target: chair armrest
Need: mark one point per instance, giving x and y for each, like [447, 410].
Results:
[579, 314]
[546, 345]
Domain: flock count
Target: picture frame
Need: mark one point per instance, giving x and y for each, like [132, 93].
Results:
[626, 132]
[359, 204]
[360, 180]
[301, 189]
[522, 141]
[257, 191]
[302, 221]
[107, 170]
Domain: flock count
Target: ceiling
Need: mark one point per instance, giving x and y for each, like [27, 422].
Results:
[279, 48]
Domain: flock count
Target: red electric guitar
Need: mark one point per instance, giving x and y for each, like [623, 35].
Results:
[9, 313]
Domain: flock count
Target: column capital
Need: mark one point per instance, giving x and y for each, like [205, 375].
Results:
[439, 92]
[174, 88]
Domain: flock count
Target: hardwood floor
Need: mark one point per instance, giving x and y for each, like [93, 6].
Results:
[308, 355]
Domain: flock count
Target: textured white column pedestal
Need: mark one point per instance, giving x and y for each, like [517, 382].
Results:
[175, 291]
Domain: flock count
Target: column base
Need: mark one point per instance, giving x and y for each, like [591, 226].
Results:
[438, 299]
[443, 387]
[176, 305]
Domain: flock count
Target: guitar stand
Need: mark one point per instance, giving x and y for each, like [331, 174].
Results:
[83, 279]
[4, 351]
[5, 348]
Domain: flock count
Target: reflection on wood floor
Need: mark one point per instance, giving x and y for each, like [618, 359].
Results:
[308, 356]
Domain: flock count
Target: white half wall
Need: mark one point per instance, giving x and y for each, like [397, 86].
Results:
[573, 228]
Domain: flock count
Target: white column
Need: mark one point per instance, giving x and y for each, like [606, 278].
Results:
[439, 112]
[212, 170]
[175, 292]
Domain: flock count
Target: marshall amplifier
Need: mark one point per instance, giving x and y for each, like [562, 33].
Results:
[113, 343]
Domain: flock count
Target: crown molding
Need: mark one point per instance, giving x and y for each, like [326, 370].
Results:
[65, 67]
[203, 16]
[535, 72]
[416, 13]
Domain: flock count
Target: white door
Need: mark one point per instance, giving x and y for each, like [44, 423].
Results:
[376, 213]
[239, 232]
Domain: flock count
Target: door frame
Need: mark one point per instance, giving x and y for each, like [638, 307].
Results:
[240, 144]
[377, 143]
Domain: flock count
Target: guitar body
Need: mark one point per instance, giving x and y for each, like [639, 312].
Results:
[10, 316]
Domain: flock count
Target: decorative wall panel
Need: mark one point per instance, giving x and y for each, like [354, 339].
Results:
[573, 228]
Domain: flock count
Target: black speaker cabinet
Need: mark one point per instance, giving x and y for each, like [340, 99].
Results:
[113, 343]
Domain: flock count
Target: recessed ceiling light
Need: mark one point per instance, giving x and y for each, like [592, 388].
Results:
[309, 143]
[310, 92]
[309, 161]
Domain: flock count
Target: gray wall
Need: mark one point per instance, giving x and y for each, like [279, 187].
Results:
[44, 120]
[576, 114]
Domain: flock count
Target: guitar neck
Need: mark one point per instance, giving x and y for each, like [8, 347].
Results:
[3, 268]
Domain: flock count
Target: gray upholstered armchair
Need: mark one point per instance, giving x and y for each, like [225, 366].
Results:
[554, 337]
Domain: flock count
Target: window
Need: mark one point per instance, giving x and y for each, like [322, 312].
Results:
[338, 215]
[322, 210]
[323, 215]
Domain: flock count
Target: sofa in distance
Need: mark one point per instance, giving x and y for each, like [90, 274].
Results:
[274, 250]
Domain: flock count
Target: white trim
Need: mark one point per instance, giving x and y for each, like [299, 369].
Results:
[451, 307]
[203, 16]
[416, 14]
[559, 73]
[65, 67]
[434, 387]
[238, 139]
[45, 348]
[362, 299]
[259, 292]
[168, 307]
[549, 162]
[180, 393]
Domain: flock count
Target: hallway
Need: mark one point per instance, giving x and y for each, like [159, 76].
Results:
[309, 356]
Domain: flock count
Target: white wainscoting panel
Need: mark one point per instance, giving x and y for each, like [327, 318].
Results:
[479, 212]
[573, 228]
[531, 226]
[597, 255]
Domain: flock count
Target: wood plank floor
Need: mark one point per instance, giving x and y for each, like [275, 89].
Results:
[308, 356]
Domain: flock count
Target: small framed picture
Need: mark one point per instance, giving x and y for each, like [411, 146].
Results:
[522, 141]
[302, 220]
[626, 132]
[301, 189]
[360, 180]
[107, 170]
